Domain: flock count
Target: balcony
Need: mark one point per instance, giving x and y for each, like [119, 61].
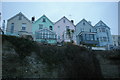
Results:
[94, 42]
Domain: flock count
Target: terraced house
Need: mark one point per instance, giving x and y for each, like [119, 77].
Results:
[85, 33]
[43, 30]
[98, 35]
[65, 30]
[103, 34]
[19, 25]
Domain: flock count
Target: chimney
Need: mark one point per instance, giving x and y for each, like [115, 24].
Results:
[33, 19]
[72, 21]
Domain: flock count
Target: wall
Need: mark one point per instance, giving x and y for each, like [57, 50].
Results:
[18, 25]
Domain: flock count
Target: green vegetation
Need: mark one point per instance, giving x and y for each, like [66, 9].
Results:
[68, 61]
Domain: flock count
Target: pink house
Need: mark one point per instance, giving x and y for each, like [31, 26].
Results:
[64, 29]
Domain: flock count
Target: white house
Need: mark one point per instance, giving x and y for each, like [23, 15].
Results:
[116, 40]
[85, 33]
[64, 29]
[18, 25]
[103, 34]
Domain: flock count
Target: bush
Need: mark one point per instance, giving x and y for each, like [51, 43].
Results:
[72, 61]
[22, 46]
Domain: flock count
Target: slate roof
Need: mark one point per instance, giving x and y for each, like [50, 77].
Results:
[42, 17]
[64, 18]
[85, 21]
[101, 23]
[18, 15]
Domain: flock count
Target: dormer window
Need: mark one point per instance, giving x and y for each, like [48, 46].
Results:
[44, 20]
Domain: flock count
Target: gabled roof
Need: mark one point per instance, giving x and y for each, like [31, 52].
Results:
[85, 21]
[101, 23]
[19, 14]
[64, 18]
[45, 17]
[46, 29]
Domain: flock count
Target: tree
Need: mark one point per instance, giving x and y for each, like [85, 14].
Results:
[70, 34]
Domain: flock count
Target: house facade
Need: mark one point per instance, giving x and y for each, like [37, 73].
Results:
[103, 34]
[19, 25]
[116, 40]
[85, 33]
[43, 30]
[64, 29]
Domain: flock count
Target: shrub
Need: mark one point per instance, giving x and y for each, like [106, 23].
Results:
[22, 46]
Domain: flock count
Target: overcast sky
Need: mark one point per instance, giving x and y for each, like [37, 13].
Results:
[91, 11]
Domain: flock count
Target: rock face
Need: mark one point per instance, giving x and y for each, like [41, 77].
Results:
[22, 58]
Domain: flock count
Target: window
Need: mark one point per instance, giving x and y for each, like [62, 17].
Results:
[103, 29]
[40, 26]
[101, 39]
[64, 21]
[114, 43]
[50, 27]
[118, 38]
[67, 27]
[23, 26]
[91, 37]
[20, 17]
[99, 29]
[44, 20]
[90, 30]
[104, 39]
[87, 37]
[83, 23]
[12, 27]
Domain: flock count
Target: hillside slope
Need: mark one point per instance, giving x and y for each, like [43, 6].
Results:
[23, 58]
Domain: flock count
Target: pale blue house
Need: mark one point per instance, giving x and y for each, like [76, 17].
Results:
[85, 33]
[98, 35]
[43, 30]
[103, 34]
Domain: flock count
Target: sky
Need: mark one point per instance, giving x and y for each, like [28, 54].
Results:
[91, 11]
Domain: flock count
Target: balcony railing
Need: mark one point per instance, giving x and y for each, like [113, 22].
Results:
[89, 42]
